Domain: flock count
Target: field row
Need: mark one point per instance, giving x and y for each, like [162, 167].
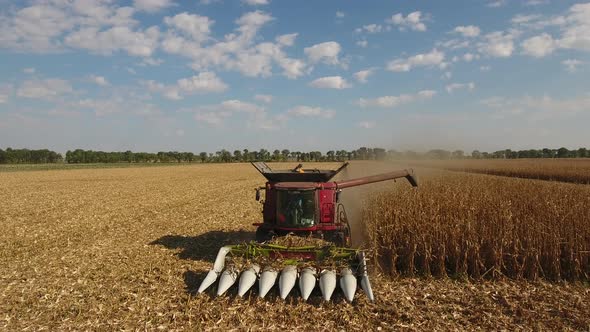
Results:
[564, 170]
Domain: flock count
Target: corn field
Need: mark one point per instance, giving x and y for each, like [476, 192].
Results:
[126, 249]
[482, 227]
[563, 170]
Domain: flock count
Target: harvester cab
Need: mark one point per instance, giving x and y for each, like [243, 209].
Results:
[299, 204]
[302, 202]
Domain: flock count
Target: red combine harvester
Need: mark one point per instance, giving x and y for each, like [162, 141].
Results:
[299, 202]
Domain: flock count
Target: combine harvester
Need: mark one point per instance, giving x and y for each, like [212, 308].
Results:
[299, 202]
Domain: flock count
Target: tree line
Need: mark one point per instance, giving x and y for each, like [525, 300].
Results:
[27, 156]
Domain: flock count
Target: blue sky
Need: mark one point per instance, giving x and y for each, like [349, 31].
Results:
[196, 75]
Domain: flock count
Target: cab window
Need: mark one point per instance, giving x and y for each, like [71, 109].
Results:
[296, 208]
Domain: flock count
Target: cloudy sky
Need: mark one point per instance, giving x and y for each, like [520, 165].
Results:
[203, 75]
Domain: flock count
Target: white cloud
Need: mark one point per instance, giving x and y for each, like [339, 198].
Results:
[434, 58]
[250, 22]
[46, 88]
[367, 124]
[263, 98]
[340, 14]
[468, 57]
[324, 52]
[468, 31]
[524, 19]
[571, 65]
[497, 3]
[454, 44]
[577, 28]
[362, 43]
[99, 80]
[459, 86]
[292, 68]
[370, 28]
[196, 27]
[315, 112]
[29, 70]
[105, 27]
[497, 44]
[287, 40]
[44, 26]
[538, 107]
[152, 6]
[362, 76]
[5, 92]
[330, 82]
[204, 82]
[413, 21]
[237, 51]
[539, 46]
[107, 42]
[256, 2]
[102, 107]
[240, 106]
[212, 118]
[395, 101]
[485, 68]
[151, 62]
[536, 2]
[574, 28]
[257, 116]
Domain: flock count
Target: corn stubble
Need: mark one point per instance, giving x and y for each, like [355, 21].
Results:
[476, 226]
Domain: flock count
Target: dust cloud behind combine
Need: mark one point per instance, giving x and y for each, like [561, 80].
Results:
[354, 198]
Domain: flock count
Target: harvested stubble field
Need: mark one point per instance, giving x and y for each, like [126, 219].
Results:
[576, 170]
[126, 249]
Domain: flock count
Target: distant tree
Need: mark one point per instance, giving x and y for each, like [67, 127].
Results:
[331, 155]
[458, 154]
[285, 154]
[203, 156]
[582, 153]
[563, 153]
[263, 155]
[276, 155]
[476, 154]
[438, 154]
[237, 155]
[548, 153]
[362, 153]
[225, 156]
